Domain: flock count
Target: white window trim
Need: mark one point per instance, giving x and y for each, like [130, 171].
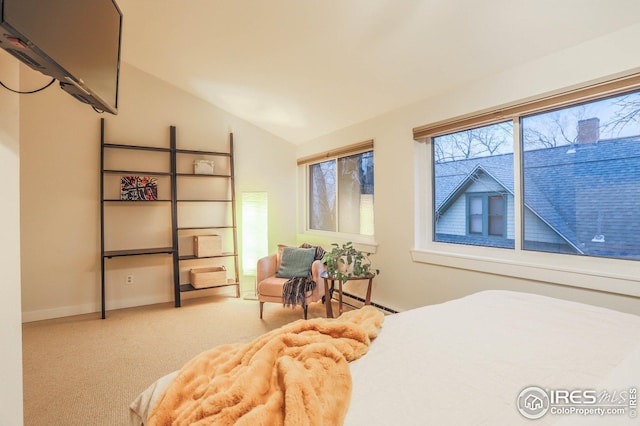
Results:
[602, 274]
[365, 243]
[580, 277]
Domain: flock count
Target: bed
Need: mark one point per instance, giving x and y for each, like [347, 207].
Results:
[490, 358]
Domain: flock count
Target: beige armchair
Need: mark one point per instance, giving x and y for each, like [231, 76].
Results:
[270, 287]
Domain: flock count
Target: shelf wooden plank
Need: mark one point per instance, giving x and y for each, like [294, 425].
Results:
[198, 175]
[136, 147]
[193, 228]
[136, 172]
[117, 200]
[204, 201]
[198, 152]
[138, 252]
[189, 287]
[194, 257]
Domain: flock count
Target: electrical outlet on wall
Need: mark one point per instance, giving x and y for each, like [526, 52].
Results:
[129, 280]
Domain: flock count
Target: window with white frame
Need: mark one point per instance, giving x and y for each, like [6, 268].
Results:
[581, 178]
[340, 193]
[575, 177]
[473, 186]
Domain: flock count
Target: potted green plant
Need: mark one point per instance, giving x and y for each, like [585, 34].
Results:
[345, 261]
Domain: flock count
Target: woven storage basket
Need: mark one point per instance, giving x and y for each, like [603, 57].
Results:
[208, 277]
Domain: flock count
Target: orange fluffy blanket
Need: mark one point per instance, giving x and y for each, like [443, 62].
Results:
[295, 375]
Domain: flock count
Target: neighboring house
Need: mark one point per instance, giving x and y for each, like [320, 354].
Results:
[582, 199]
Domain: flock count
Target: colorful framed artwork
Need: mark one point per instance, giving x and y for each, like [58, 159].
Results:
[138, 188]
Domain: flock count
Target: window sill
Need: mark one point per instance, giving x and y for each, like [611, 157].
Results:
[595, 274]
[363, 243]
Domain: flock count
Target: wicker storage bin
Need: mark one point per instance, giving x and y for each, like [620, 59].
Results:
[207, 245]
[208, 277]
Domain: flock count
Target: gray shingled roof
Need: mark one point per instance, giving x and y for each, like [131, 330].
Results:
[584, 192]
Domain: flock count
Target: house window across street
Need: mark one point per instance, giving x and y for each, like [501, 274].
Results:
[485, 213]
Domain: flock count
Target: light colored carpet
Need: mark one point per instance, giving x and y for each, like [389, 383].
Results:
[85, 371]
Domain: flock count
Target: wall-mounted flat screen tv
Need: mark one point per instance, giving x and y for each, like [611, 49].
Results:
[76, 42]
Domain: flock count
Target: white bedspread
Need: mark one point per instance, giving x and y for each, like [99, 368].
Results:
[465, 362]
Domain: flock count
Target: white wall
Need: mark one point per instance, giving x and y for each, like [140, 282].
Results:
[11, 331]
[404, 284]
[60, 151]
[59, 147]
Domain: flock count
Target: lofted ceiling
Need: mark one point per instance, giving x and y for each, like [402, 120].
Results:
[303, 68]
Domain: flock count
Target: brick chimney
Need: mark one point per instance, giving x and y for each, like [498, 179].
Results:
[589, 130]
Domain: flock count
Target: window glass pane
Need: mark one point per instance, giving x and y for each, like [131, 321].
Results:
[341, 194]
[475, 224]
[496, 226]
[475, 215]
[475, 205]
[496, 215]
[582, 179]
[496, 205]
[322, 196]
[476, 161]
[355, 194]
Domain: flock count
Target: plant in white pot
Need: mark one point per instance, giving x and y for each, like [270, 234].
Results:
[345, 261]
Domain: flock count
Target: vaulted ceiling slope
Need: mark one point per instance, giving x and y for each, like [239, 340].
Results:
[303, 68]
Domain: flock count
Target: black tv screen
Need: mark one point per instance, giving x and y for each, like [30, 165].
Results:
[75, 41]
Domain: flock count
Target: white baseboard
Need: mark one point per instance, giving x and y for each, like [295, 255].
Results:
[89, 308]
[64, 311]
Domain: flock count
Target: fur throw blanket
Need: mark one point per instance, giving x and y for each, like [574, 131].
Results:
[295, 375]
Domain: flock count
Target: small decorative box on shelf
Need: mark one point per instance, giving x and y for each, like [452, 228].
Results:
[203, 167]
[207, 245]
[208, 277]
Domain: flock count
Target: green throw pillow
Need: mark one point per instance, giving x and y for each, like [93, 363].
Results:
[296, 262]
